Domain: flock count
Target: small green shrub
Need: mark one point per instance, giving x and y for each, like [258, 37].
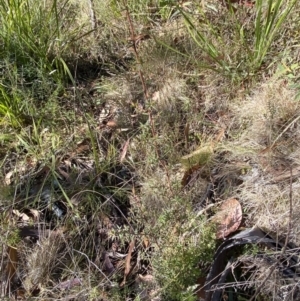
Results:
[186, 246]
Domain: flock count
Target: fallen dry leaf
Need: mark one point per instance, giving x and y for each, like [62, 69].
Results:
[190, 175]
[201, 287]
[64, 174]
[21, 294]
[139, 37]
[219, 137]
[108, 267]
[11, 266]
[16, 212]
[35, 214]
[146, 241]
[147, 278]
[82, 146]
[124, 151]
[68, 284]
[22, 216]
[144, 285]
[229, 218]
[127, 262]
[155, 96]
[8, 178]
[112, 124]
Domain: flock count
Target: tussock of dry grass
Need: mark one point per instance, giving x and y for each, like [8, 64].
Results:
[269, 115]
[270, 132]
[40, 262]
[275, 286]
[170, 100]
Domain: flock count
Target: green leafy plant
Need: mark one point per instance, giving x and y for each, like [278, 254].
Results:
[177, 265]
[255, 40]
[37, 39]
[268, 23]
[203, 39]
[167, 9]
[10, 107]
[289, 70]
[38, 34]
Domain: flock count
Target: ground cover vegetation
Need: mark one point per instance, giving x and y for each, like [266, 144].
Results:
[149, 150]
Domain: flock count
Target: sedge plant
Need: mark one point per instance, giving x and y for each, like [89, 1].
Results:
[39, 33]
[254, 40]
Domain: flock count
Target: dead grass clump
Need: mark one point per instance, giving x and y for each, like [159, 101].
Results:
[270, 132]
[267, 205]
[119, 96]
[155, 196]
[275, 286]
[269, 117]
[170, 100]
[40, 261]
